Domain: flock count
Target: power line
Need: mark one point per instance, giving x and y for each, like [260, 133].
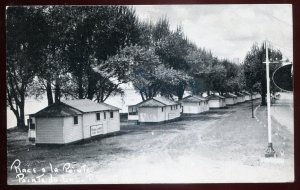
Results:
[272, 16]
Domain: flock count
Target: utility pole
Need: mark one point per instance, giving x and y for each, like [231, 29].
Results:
[270, 152]
[252, 104]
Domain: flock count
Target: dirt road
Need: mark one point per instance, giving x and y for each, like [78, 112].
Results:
[222, 145]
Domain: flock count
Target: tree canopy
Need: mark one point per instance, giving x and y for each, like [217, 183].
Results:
[89, 51]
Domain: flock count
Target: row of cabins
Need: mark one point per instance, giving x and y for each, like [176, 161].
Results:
[75, 120]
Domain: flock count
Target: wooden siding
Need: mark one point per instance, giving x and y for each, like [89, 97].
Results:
[155, 114]
[49, 130]
[194, 108]
[71, 131]
[109, 124]
[215, 103]
[113, 124]
[229, 101]
[150, 114]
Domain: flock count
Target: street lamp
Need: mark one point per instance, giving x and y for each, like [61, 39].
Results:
[270, 152]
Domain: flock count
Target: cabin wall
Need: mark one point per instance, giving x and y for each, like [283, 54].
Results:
[113, 124]
[235, 100]
[72, 132]
[240, 99]
[103, 126]
[133, 113]
[49, 130]
[229, 101]
[192, 107]
[151, 114]
[172, 113]
[214, 103]
[247, 97]
[206, 106]
[155, 114]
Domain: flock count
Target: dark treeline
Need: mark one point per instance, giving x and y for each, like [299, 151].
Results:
[89, 51]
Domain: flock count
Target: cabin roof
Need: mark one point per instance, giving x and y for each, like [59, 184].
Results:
[229, 95]
[151, 103]
[239, 94]
[86, 105]
[156, 102]
[193, 98]
[246, 93]
[201, 98]
[165, 101]
[58, 109]
[215, 97]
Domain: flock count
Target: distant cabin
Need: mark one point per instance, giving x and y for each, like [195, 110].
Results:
[194, 104]
[240, 97]
[247, 96]
[257, 95]
[74, 120]
[230, 99]
[216, 101]
[157, 109]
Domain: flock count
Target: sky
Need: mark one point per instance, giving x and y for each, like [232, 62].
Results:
[229, 31]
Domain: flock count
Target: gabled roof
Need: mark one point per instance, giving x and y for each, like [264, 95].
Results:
[86, 105]
[239, 94]
[229, 95]
[201, 98]
[246, 93]
[151, 103]
[165, 101]
[193, 98]
[215, 97]
[58, 109]
[156, 102]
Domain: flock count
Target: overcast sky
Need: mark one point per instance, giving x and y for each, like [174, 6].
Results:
[228, 30]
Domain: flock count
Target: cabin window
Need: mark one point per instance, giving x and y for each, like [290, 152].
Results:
[97, 116]
[75, 120]
[162, 109]
[104, 115]
[111, 114]
[32, 126]
[171, 107]
[176, 107]
[29, 121]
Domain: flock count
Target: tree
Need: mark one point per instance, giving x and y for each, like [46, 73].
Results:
[255, 69]
[144, 69]
[100, 32]
[172, 48]
[25, 32]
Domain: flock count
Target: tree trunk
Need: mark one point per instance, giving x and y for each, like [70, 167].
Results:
[180, 91]
[57, 92]
[49, 93]
[141, 93]
[80, 87]
[91, 84]
[21, 119]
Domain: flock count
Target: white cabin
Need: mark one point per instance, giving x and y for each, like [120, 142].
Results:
[194, 104]
[240, 97]
[247, 96]
[230, 99]
[157, 109]
[74, 120]
[216, 101]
